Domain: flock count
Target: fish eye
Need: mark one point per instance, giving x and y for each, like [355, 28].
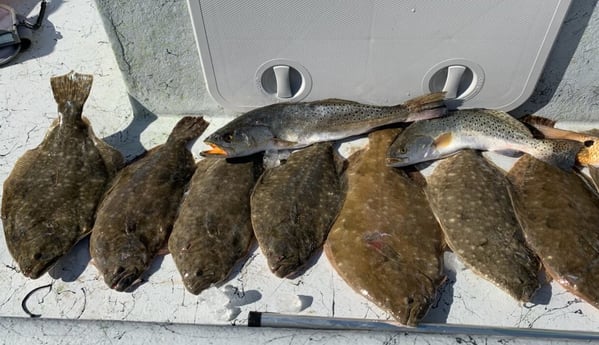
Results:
[199, 273]
[228, 137]
[403, 150]
[37, 256]
[589, 143]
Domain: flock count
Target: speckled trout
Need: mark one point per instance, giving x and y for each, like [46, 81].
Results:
[386, 243]
[470, 198]
[293, 207]
[559, 216]
[213, 229]
[286, 126]
[136, 215]
[478, 129]
[51, 195]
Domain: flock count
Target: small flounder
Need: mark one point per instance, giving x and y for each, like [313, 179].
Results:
[51, 195]
[213, 229]
[386, 243]
[559, 215]
[293, 207]
[136, 215]
[478, 129]
[471, 201]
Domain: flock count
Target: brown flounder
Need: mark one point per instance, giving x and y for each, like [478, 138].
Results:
[293, 207]
[51, 195]
[136, 215]
[213, 229]
[386, 243]
[559, 215]
[470, 198]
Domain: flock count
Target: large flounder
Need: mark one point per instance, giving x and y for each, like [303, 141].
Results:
[213, 229]
[293, 207]
[471, 201]
[559, 214]
[386, 243]
[51, 195]
[136, 215]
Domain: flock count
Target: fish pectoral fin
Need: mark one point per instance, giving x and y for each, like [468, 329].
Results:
[443, 140]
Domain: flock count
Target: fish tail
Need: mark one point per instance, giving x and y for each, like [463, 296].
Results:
[561, 153]
[188, 128]
[426, 107]
[72, 87]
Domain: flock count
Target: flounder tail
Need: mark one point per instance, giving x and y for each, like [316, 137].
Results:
[188, 129]
[426, 107]
[72, 87]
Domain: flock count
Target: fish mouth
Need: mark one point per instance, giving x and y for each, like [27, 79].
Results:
[124, 281]
[214, 151]
[394, 161]
[38, 270]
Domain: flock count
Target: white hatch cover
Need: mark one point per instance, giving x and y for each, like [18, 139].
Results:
[487, 53]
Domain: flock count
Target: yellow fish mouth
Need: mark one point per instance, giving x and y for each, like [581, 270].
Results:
[214, 151]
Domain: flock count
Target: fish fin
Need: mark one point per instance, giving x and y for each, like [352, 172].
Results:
[424, 102]
[560, 153]
[535, 120]
[334, 101]
[188, 128]
[71, 87]
[443, 140]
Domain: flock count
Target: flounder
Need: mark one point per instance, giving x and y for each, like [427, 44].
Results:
[50, 197]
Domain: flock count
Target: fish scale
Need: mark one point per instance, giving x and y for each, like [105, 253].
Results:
[471, 201]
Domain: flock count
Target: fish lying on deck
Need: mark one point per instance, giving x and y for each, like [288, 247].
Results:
[589, 152]
[559, 215]
[285, 126]
[478, 129]
[136, 215]
[386, 243]
[213, 229]
[293, 207]
[471, 201]
[51, 195]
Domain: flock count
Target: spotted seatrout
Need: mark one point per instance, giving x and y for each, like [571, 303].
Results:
[471, 201]
[213, 229]
[136, 215]
[286, 126]
[386, 243]
[478, 129]
[559, 216]
[293, 207]
[51, 195]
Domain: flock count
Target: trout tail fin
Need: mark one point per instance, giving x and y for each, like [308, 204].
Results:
[72, 87]
[188, 128]
[561, 153]
[426, 107]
